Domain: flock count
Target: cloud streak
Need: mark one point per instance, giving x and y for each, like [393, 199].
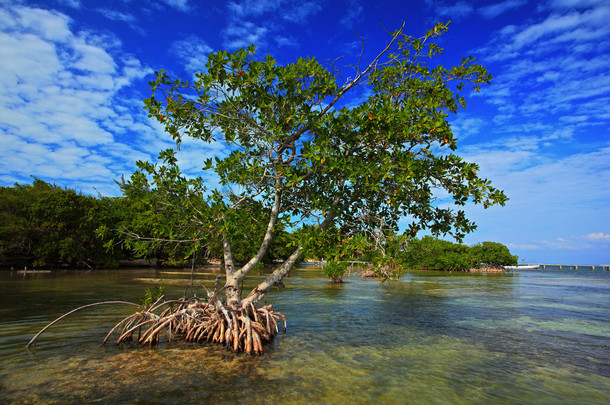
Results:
[263, 22]
[494, 10]
[598, 236]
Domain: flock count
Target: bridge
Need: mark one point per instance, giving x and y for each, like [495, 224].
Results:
[543, 266]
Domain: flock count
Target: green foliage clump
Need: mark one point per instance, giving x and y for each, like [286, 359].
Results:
[45, 225]
[437, 254]
[493, 254]
[174, 217]
[151, 296]
[335, 270]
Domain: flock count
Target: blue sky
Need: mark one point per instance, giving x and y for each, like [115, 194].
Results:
[73, 74]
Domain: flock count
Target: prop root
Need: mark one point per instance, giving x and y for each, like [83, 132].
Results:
[246, 329]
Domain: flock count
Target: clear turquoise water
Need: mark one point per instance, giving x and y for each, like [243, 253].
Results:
[429, 338]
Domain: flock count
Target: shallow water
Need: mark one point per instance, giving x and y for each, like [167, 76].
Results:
[430, 338]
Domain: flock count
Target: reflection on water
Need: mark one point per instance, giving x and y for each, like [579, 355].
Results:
[531, 337]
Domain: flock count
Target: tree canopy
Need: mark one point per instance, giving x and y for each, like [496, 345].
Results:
[493, 254]
[300, 153]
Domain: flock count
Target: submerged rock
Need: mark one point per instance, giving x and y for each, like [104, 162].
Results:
[487, 270]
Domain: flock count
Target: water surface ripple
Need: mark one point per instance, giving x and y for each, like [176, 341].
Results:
[429, 338]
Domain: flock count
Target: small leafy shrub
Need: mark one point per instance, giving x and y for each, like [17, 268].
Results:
[335, 270]
[151, 296]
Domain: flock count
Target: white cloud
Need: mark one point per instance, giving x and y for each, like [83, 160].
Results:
[354, 14]
[282, 41]
[290, 10]
[50, 25]
[240, 34]
[193, 52]
[552, 25]
[552, 200]
[598, 236]
[551, 147]
[71, 3]
[180, 5]
[300, 11]
[464, 127]
[557, 84]
[571, 4]
[260, 22]
[494, 10]
[552, 81]
[60, 114]
[521, 246]
[248, 8]
[455, 11]
[129, 19]
[554, 31]
[117, 15]
[91, 58]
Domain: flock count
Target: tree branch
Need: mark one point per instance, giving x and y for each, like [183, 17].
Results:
[275, 211]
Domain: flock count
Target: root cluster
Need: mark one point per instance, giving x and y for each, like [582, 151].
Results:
[243, 330]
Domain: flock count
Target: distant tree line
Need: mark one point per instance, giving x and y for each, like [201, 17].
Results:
[396, 253]
[44, 225]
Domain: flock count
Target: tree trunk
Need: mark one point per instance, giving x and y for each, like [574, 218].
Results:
[232, 285]
[278, 274]
[233, 291]
[235, 277]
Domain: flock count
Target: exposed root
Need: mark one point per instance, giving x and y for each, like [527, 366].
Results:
[244, 330]
[194, 320]
[33, 340]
